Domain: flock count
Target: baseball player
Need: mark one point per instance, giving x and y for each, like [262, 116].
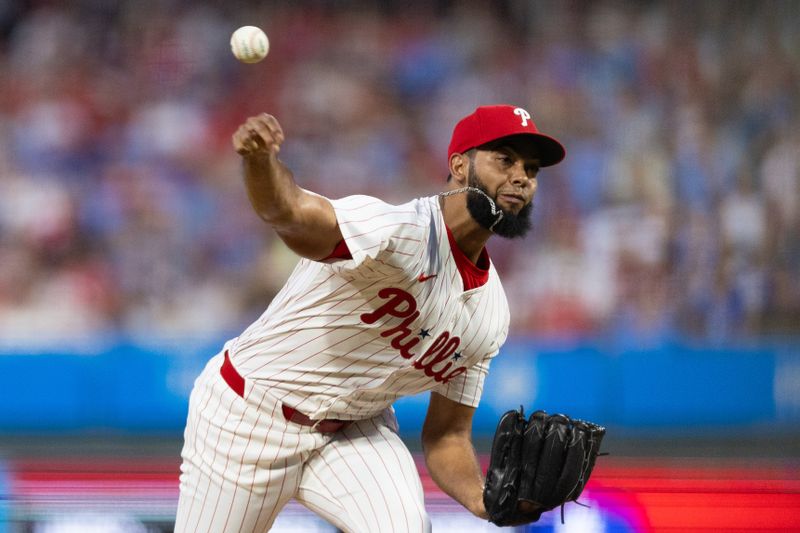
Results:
[386, 301]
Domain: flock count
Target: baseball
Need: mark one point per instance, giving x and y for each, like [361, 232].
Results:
[249, 44]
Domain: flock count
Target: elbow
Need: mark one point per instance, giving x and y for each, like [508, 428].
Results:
[433, 438]
[277, 216]
[431, 434]
[429, 440]
[429, 454]
[279, 211]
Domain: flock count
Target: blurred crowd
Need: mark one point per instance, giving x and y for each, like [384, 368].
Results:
[676, 213]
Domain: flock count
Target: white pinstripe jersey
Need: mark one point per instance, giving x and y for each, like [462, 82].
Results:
[344, 339]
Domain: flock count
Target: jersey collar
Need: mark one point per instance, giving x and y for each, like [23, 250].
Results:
[472, 275]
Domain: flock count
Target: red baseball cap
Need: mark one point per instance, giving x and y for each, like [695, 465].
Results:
[492, 122]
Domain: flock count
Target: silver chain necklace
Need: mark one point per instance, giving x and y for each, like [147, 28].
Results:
[497, 213]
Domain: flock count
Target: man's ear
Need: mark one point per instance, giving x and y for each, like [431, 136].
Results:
[459, 167]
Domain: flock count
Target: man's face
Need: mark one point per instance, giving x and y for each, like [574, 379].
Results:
[507, 174]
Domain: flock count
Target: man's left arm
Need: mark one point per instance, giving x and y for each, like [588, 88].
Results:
[450, 455]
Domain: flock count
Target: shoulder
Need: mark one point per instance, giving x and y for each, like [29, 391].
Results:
[363, 209]
[377, 230]
[356, 202]
[497, 289]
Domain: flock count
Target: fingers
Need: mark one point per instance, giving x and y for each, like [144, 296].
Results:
[259, 135]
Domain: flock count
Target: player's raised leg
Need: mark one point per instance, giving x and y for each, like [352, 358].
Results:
[365, 479]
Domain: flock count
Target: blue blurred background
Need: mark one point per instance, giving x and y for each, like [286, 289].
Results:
[658, 293]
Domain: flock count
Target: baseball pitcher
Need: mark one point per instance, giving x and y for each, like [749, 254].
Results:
[387, 301]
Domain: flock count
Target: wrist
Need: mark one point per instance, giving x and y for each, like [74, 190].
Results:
[259, 158]
[477, 508]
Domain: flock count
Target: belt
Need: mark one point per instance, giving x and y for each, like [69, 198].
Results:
[236, 382]
[329, 425]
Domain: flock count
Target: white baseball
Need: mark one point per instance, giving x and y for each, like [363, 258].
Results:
[249, 44]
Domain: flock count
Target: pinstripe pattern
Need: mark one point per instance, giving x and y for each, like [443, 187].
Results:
[344, 340]
[312, 348]
[371, 476]
[241, 461]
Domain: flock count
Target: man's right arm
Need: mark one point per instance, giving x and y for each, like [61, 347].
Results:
[305, 221]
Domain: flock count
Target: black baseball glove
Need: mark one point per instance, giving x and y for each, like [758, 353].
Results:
[537, 465]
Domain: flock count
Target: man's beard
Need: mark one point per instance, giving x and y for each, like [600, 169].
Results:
[511, 226]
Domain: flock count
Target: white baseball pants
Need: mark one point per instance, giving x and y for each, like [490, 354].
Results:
[242, 462]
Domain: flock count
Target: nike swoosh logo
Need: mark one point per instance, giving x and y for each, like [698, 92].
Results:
[423, 277]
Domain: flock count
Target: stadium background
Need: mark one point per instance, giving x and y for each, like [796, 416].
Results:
[658, 293]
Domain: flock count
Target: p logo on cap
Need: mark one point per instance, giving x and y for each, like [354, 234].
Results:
[492, 122]
[524, 114]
